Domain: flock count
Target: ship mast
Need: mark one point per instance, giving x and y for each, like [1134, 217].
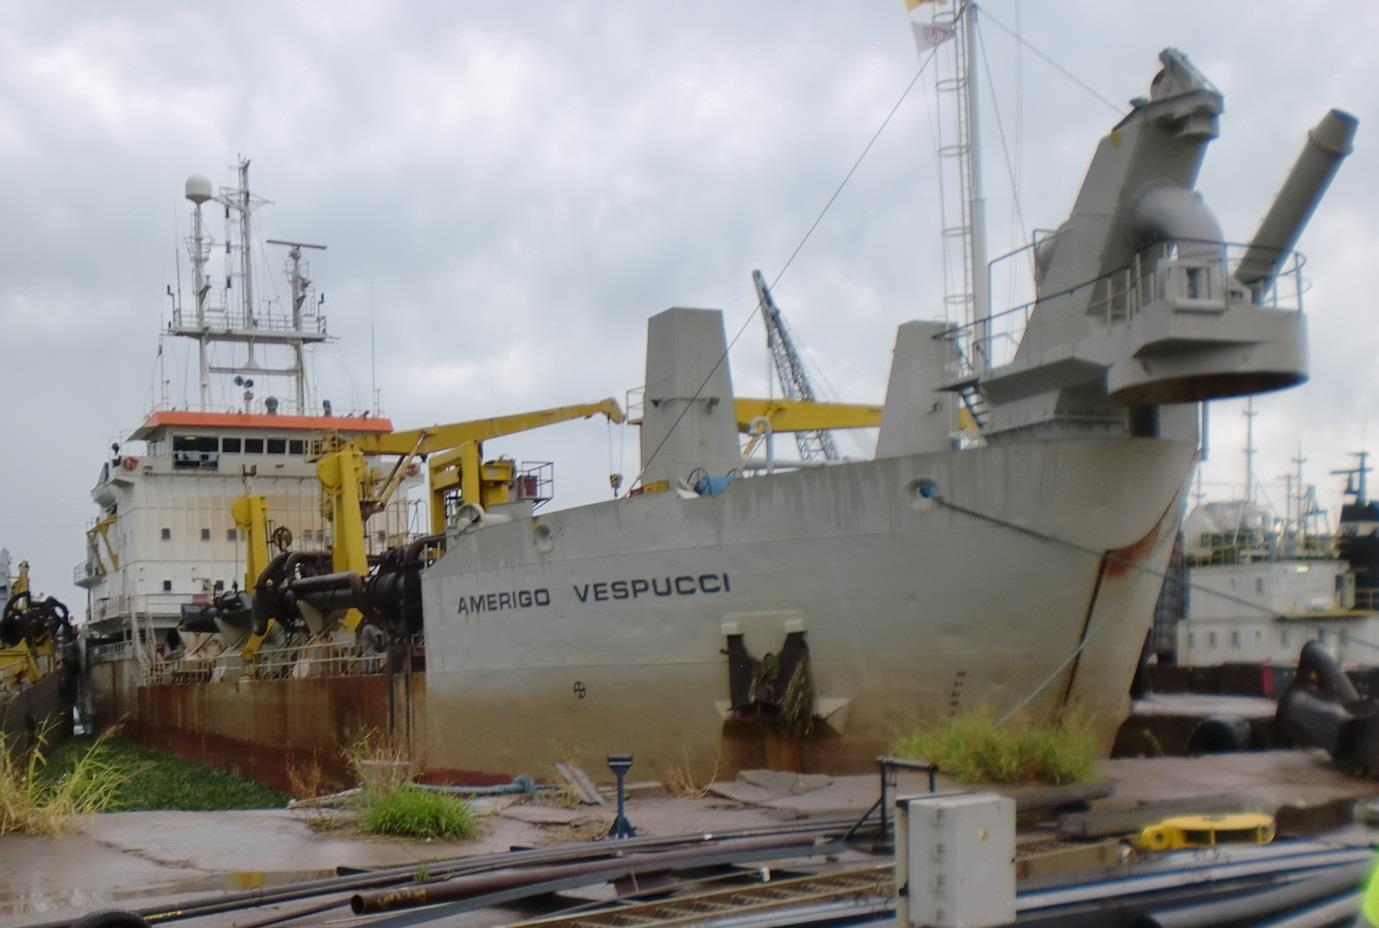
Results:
[246, 324]
[960, 167]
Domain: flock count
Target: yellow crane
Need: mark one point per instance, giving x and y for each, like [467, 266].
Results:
[352, 490]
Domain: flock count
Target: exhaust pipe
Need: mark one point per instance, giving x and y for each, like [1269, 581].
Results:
[1326, 145]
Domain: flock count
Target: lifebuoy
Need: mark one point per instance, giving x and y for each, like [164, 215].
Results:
[129, 463]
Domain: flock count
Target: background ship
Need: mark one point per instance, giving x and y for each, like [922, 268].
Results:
[824, 610]
[40, 663]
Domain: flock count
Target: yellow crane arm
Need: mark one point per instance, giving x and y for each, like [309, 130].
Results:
[805, 415]
[441, 437]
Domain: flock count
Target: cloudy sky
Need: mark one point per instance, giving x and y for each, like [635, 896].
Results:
[510, 189]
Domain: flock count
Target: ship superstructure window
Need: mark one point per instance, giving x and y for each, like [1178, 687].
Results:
[231, 535]
[296, 446]
[231, 445]
[1235, 639]
[167, 534]
[220, 586]
[195, 451]
[205, 534]
[277, 446]
[253, 446]
[1283, 638]
[1211, 639]
[167, 586]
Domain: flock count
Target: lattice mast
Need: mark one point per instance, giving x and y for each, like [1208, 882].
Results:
[794, 380]
[242, 321]
[966, 296]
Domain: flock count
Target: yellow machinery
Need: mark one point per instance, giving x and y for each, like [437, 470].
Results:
[1207, 831]
[32, 633]
[782, 415]
[352, 490]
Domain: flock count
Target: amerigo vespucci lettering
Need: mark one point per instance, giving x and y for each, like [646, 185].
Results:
[599, 592]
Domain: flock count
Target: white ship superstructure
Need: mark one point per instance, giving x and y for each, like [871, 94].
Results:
[165, 537]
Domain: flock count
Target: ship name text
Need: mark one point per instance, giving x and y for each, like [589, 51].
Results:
[601, 592]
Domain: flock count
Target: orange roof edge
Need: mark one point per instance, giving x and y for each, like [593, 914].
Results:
[188, 419]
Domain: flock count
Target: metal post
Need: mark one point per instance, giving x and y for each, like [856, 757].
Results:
[622, 828]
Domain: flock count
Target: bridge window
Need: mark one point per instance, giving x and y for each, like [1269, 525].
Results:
[231, 445]
[296, 446]
[253, 446]
[195, 451]
[277, 446]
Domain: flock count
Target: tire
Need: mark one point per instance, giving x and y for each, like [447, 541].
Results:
[110, 918]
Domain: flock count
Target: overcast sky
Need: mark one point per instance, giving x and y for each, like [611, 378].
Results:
[519, 185]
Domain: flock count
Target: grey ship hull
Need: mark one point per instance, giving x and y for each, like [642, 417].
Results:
[602, 628]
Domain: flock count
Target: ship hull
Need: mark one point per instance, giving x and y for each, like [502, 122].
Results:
[1029, 587]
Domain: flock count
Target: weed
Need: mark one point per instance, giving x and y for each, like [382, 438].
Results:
[415, 813]
[381, 762]
[36, 799]
[972, 748]
[681, 781]
[304, 780]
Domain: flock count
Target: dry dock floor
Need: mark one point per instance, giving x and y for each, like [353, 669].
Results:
[135, 859]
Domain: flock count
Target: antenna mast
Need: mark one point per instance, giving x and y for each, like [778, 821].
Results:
[211, 322]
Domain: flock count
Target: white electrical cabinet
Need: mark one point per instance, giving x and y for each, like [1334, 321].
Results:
[955, 860]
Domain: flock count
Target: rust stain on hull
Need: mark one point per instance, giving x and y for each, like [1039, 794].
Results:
[267, 729]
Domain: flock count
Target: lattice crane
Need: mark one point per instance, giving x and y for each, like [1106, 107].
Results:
[794, 381]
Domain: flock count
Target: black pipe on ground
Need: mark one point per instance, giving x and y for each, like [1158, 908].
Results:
[465, 887]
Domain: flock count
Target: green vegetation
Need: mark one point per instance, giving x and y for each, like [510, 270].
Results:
[149, 779]
[415, 813]
[389, 805]
[37, 798]
[974, 749]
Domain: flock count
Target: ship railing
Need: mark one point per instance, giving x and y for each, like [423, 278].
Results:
[1187, 272]
[115, 651]
[312, 659]
[219, 320]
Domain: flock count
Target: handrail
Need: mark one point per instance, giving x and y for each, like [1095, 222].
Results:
[1137, 283]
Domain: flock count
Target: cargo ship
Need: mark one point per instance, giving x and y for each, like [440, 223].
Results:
[728, 611]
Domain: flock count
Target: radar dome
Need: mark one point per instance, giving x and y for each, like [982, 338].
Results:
[198, 189]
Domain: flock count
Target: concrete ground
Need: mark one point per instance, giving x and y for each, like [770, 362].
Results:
[135, 859]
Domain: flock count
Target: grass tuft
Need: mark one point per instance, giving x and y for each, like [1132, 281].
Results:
[389, 805]
[972, 748]
[415, 813]
[39, 798]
